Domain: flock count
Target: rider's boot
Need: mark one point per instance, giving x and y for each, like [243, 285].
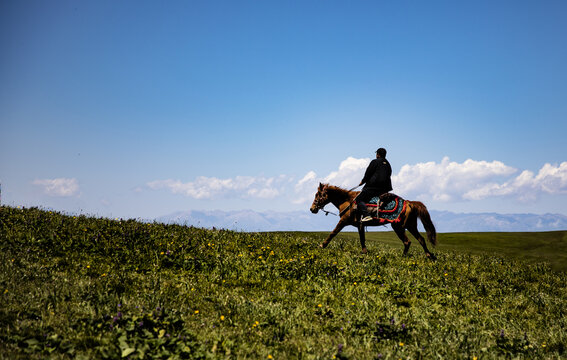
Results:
[365, 217]
[364, 214]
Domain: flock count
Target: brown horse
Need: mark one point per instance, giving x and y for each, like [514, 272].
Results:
[344, 200]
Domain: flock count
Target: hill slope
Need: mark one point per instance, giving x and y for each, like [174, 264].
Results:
[531, 247]
[85, 287]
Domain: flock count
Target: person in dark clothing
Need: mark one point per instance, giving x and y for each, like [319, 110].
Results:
[378, 181]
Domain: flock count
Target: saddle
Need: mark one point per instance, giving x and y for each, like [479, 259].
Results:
[382, 201]
[387, 207]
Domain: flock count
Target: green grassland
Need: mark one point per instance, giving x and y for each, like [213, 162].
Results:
[85, 287]
[532, 247]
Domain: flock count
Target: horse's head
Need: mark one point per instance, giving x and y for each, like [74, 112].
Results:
[321, 199]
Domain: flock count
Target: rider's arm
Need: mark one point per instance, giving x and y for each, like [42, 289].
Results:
[369, 172]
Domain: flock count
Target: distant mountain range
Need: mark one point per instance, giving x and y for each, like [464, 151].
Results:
[445, 221]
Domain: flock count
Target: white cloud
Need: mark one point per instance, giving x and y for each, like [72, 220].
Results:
[349, 174]
[212, 187]
[307, 179]
[60, 187]
[444, 181]
[526, 186]
[447, 180]
[477, 180]
[552, 179]
[305, 187]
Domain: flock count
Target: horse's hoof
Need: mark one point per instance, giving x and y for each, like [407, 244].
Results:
[322, 245]
[364, 251]
[432, 257]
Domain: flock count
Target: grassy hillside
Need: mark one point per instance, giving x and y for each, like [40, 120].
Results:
[532, 247]
[80, 287]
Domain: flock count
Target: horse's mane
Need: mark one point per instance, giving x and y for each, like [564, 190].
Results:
[334, 187]
[337, 188]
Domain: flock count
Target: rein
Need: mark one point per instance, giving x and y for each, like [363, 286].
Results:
[328, 212]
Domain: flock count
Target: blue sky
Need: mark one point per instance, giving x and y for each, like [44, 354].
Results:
[142, 108]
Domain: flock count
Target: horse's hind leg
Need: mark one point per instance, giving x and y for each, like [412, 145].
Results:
[401, 232]
[413, 230]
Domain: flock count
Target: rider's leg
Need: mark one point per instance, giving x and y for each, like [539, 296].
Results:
[361, 201]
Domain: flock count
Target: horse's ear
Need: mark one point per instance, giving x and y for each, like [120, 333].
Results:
[320, 186]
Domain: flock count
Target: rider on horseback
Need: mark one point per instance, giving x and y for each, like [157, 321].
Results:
[377, 180]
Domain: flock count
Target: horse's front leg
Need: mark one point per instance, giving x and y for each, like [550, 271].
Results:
[333, 233]
[362, 236]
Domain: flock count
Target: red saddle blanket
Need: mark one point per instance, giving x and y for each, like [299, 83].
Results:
[388, 208]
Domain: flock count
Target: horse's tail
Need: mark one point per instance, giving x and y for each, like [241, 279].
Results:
[423, 214]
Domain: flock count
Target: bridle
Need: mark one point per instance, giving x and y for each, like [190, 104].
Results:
[319, 207]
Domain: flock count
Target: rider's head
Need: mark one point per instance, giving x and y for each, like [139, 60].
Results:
[381, 153]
